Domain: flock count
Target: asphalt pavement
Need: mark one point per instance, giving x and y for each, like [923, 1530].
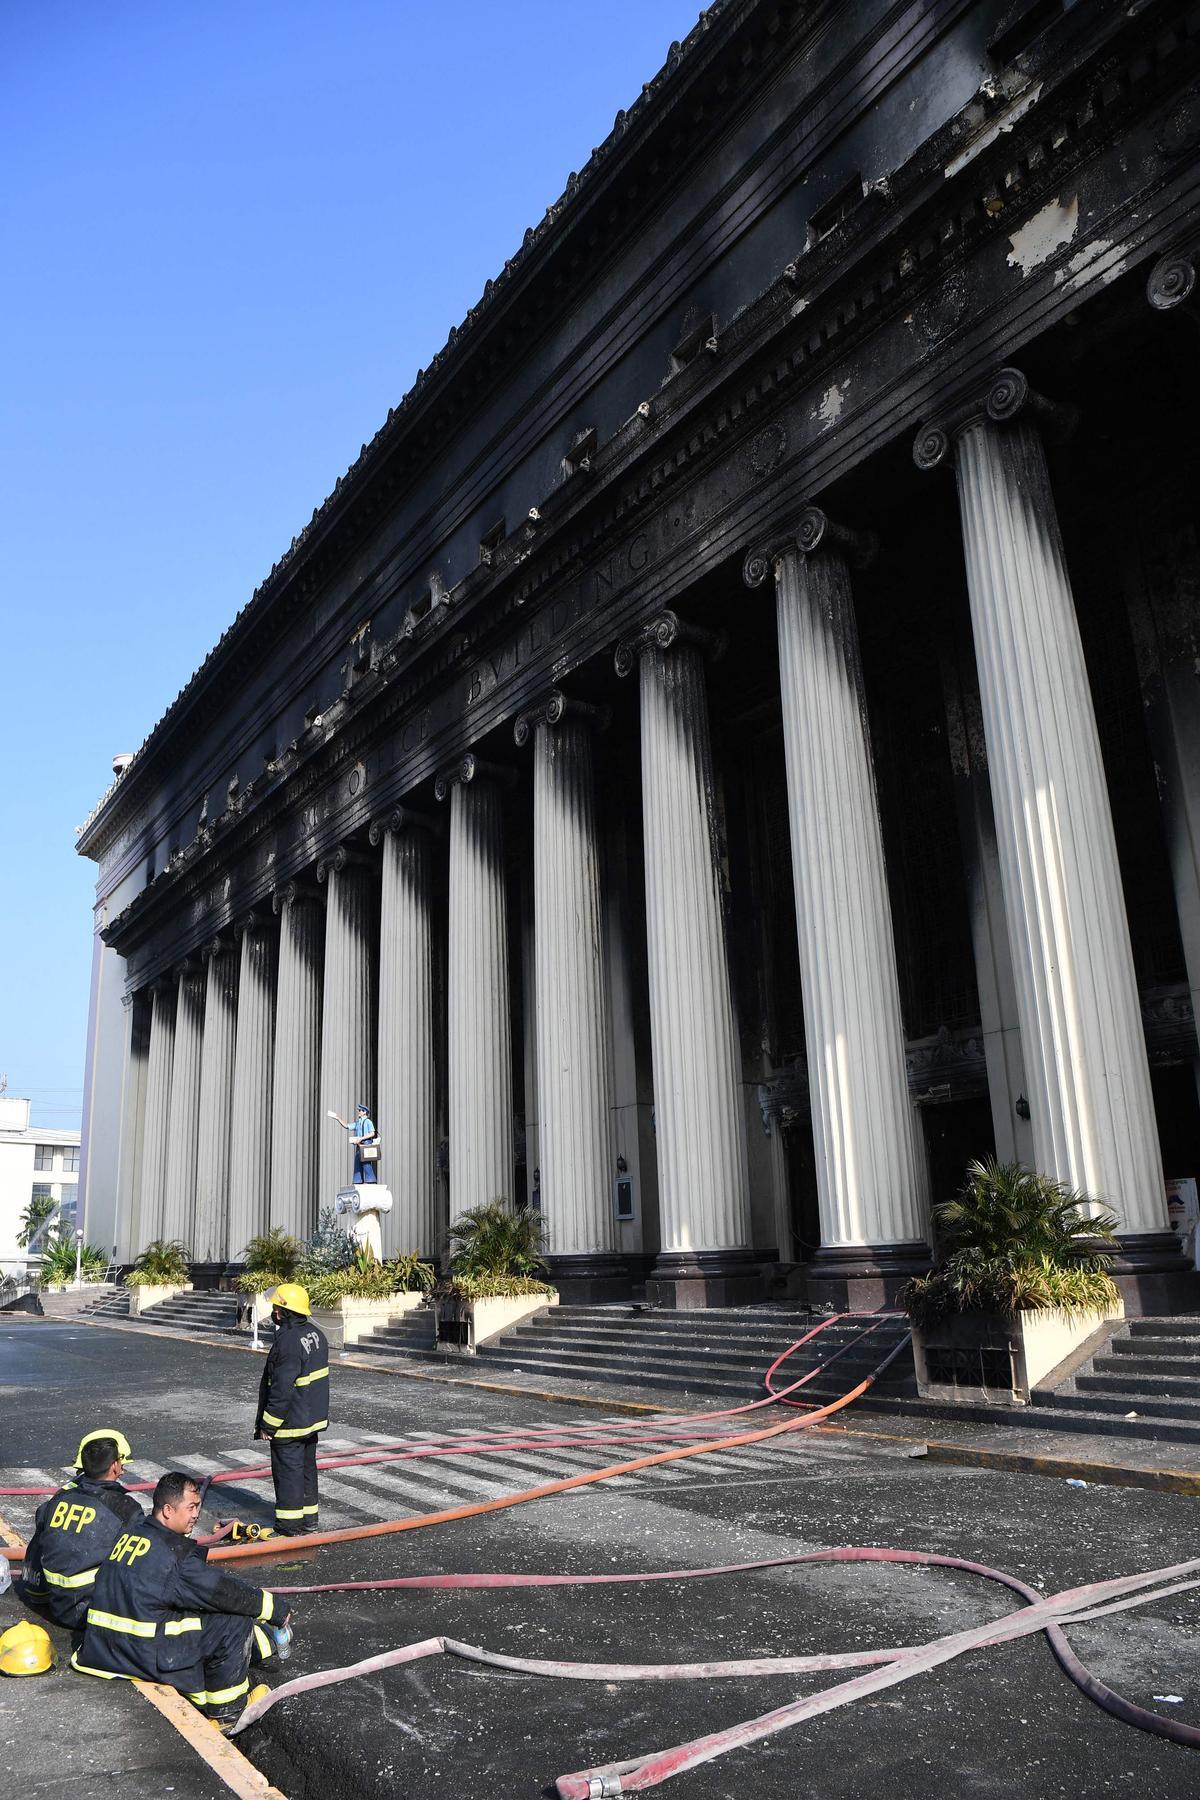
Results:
[998, 1722]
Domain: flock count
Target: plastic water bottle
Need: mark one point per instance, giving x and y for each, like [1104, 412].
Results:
[5, 1575]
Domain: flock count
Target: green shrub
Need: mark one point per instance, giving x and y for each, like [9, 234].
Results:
[163, 1263]
[490, 1287]
[491, 1240]
[1015, 1241]
[256, 1281]
[58, 1263]
[367, 1279]
[328, 1248]
[276, 1251]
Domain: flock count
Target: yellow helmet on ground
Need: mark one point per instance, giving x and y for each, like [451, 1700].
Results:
[118, 1437]
[26, 1649]
[292, 1297]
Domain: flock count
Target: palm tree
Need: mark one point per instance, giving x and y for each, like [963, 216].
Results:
[40, 1207]
[1005, 1210]
[491, 1240]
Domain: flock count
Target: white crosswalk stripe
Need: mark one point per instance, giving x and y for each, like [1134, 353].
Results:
[354, 1496]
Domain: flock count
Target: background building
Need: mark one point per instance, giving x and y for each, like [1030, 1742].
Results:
[33, 1162]
[728, 750]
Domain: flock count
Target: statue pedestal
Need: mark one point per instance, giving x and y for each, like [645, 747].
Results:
[360, 1208]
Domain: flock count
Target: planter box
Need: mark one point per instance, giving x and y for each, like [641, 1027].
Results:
[979, 1357]
[463, 1326]
[142, 1297]
[359, 1317]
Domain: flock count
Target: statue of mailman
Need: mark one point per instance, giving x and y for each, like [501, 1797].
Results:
[361, 1205]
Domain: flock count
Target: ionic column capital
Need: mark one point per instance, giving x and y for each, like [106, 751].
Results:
[346, 856]
[1172, 286]
[295, 893]
[1006, 396]
[813, 532]
[662, 631]
[216, 946]
[255, 923]
[471, 768]
[400, 818]
[553, 708]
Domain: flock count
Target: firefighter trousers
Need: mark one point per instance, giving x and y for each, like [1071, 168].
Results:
[294, 1472]
[229, 1644]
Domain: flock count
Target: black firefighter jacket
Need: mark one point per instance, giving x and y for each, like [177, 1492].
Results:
[148, 1607]
[72, 1535]
[293, 1395]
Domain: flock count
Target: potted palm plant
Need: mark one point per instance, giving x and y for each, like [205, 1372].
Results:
[159, 1272]
[496, 1264]
[1021, 1281]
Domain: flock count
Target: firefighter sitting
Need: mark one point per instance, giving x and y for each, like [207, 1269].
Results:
[74, 1532]
[160, 1612]
[293, 1407]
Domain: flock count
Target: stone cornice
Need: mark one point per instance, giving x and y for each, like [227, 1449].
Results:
[732, 49]
[767, 360]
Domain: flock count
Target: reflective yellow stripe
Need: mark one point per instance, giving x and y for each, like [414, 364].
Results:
[266, 1648]
[310, 1509]
[283, 1512]
[221, 1696]
[71, 1581]
[303, 1430]
[176, 1627]
[268, 1606]
[270, 1419]
[317, 1375]
[104, 1674]
[144, 1628]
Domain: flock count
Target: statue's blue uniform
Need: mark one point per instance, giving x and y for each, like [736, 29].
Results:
[362, 1128]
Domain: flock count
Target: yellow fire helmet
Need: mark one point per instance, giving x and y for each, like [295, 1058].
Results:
[292, 1297]
[26, 1649]
[124, 1453]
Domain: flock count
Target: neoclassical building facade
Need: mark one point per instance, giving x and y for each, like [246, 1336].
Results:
[728, 751]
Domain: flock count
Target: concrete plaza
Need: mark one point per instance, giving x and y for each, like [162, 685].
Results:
[997, 1722]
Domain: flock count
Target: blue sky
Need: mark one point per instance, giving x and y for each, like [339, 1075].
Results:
[234, 232]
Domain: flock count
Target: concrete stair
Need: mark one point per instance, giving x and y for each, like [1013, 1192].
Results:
[1144, 1383]
[408, 1334]
[199, 1312]
[724, 1351]
[111, 1303]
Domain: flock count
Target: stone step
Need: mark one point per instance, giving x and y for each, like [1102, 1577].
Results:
[608, 1344]
[1127, 1368]
[1136, 1382]
[684, 1372]
[1135, 1350]
[1182, 1325]
[1145, 1406]
[567, 1370]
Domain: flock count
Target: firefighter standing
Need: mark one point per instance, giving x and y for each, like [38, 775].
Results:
[159, 1612]
[293, 1408]
[74, 1532]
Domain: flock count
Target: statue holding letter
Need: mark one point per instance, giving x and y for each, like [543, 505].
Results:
[363, 1203]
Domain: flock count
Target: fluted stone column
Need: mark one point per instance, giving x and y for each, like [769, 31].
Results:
[1085, 1055]
[872, 1180]
[405, 1094]
[253, 1086]
[347, 1009]
[704, 1206]
[295, 1107]
[211, 1232]
[152, 1183]
[480, 1028]
[179, 1209]
[574, 1097]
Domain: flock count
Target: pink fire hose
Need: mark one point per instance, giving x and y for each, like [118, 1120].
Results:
[886, 1668]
